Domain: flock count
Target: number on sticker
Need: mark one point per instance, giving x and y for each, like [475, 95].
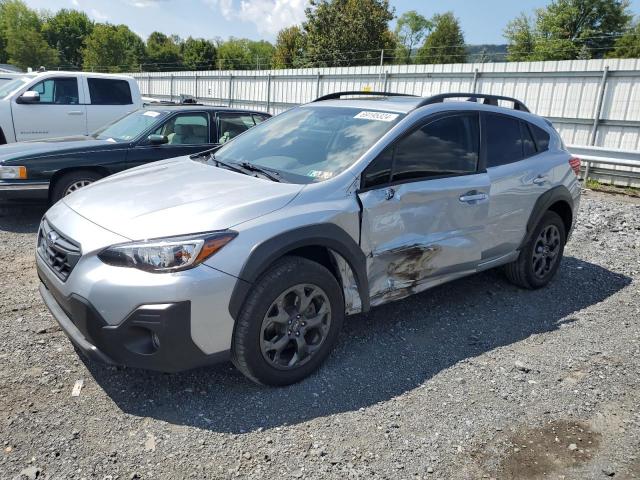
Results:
[379, 116]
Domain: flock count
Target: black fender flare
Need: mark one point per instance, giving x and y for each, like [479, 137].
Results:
[326, 235]
[548, 198]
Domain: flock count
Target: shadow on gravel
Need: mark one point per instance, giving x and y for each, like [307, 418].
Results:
[393, 349]
[24, 218]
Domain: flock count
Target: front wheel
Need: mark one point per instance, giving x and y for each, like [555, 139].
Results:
[72, 181]
[290, 322]
[540, 258]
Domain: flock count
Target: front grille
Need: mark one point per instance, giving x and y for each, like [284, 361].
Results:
[60, 253]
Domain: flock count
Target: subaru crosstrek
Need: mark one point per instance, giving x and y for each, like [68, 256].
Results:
[256, 251]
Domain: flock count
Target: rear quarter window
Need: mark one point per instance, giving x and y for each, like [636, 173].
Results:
[541, 137]
[104, 91]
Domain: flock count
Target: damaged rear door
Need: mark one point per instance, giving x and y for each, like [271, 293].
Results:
[425, 206]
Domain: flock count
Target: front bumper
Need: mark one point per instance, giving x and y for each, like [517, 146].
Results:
[23, 190]
[152, 337]
[168, 322]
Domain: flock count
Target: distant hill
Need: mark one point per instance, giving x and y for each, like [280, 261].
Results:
[486, 53]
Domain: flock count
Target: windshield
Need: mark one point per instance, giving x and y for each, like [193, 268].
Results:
[311, 143]
[12, 86]
[129, 127]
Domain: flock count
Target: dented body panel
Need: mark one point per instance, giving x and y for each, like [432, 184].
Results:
[424, 231]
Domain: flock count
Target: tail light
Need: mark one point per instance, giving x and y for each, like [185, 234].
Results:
[574, 162]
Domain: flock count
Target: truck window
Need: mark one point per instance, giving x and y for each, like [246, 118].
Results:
[58, 91]
[104, 91]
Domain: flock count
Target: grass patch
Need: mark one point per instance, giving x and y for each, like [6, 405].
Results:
[592, 184]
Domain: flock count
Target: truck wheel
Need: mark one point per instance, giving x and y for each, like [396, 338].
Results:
[540, 258]
[289, 324]
[72, 181]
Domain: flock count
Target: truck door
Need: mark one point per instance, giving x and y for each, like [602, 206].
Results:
[59, 112]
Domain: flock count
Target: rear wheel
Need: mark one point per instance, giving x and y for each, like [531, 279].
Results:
[540, 258]
[71, 182]
[290, 322]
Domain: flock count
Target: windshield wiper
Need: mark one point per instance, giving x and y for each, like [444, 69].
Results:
[263, 171]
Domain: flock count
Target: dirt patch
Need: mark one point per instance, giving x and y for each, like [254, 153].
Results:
[557, 447]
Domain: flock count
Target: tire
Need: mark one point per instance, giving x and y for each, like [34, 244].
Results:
[68, 180]
[532, 272]
[271, 317]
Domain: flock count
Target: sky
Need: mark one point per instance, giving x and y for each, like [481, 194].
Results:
[483, 21]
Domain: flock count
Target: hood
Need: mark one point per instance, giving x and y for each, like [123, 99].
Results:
[53, 146]
[177, 197]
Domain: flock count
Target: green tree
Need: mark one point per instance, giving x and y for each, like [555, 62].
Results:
[570, 29]
[198, 53]
[628, 45]
[289, 51]
[163, 52]
[411, 28]
[113, 48]
[244, 54]
[347, 32]
[20, 30]
[445, 44]
[66, 31]
[521, 37]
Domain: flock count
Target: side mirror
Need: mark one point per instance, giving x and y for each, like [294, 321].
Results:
[30, 96]
[158, 139]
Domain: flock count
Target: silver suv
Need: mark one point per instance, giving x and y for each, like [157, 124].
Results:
[256, 251]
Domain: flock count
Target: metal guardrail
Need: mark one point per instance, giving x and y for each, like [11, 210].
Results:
[618, 166]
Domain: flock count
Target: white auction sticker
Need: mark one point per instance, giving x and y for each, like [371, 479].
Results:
[151, 113]
[380, 116]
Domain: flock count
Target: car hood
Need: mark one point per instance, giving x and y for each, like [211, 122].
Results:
[52, 146]
[176, 197]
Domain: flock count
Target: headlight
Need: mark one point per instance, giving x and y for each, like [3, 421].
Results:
[13, 173]
[167, 254]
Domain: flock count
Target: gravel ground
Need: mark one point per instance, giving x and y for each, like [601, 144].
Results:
[476, 379]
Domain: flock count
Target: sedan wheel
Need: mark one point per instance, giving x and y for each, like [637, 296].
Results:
[77, 186]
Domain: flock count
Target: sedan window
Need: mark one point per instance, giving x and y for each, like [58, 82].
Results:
[186, 129]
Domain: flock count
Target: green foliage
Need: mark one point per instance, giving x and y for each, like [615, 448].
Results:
[22, 39]
[198, 53]
[628, 45]
[521, 37]
[445, 44]
[163, 52]
[113, 48]
[244, 54]
[347, 32]
[66, 31]
[569, 29]
[411, 28]
[290, 48]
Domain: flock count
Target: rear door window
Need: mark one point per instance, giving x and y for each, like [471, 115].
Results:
[105, 91]
[233, 124]
[503, 140]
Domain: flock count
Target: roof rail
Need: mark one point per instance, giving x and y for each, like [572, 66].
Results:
[474, 97]
[337, 95]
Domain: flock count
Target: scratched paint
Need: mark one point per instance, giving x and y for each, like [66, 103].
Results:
[397, 273]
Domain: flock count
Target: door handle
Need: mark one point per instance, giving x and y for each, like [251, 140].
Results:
[75, 112]
[540, 179]
[473, 197]
[389, 193]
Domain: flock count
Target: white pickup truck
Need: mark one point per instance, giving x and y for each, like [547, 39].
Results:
[57, 104]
